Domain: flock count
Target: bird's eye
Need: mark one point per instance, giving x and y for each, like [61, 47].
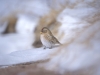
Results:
[44, 30]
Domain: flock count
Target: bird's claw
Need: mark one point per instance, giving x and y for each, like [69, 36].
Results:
[50, 47]
[44, 47]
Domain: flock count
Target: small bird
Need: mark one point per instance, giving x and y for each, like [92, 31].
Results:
[47, 39]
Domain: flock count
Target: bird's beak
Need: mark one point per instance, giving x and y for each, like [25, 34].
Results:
[40, 32]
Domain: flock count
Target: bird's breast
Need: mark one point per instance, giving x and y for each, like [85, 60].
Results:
[45, 41]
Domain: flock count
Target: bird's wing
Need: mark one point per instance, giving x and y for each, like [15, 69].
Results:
[55, 40]
[52, 39]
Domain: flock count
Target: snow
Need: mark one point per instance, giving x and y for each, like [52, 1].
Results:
[17, 57]
[81, 38]
[3, 27]
[14, 42]
[26, 24]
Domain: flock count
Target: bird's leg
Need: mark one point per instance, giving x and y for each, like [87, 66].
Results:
[50, 47]
[44, 47]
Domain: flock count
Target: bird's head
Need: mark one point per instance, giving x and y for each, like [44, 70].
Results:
[45, 30]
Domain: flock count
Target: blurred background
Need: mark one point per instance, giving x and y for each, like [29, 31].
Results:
[75, 23]
[21, 22]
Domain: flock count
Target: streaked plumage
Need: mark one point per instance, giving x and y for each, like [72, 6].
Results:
[47, 38]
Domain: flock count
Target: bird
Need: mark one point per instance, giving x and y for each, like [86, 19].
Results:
[47, 38]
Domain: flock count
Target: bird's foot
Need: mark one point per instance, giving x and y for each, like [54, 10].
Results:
[50, 47]
[44, 47]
